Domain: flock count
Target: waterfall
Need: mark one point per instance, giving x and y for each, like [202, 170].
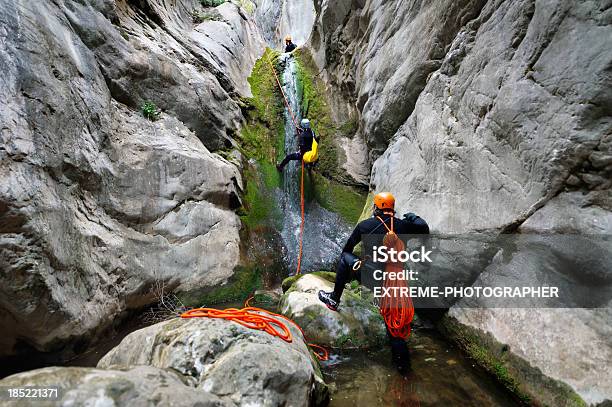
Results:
[324, 231]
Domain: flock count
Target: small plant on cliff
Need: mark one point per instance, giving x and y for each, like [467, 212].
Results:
[211, 3]
[150, 111]
[200, 17]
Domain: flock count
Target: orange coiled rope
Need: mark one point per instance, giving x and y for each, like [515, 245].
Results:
[257, 318]
[299, 262]
[397, 309]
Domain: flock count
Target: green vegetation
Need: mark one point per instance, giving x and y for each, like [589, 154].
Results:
[199, 17]
[211, 3]
[333, 196]
[328, 188]
[262, 139]
[248, 6]
[243, 282]
[289, 281]
[150, 111]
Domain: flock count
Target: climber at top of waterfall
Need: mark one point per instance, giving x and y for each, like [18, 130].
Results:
[307, 142]
[289, 45]
[383, 220]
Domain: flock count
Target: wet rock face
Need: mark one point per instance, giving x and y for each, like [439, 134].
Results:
[238, 365]
[496, 118]
[135, 386]
[379, 54]
[98, 204]
[278, 18]
[510, 120]
[358, 323]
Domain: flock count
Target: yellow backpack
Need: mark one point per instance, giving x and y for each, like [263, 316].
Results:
[313, 155]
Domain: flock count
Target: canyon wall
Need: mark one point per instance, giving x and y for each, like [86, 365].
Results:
[491, 116]
[98, 205]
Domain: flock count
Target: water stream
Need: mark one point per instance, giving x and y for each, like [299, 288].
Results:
[324, 232]
[441, 374]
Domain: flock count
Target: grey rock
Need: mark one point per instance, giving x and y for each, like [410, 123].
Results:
[357, 324]
[136, 386]
[568, 345]
[97, 204]
[496, 117]
[241, 366]
[488, 145]
[278, 18]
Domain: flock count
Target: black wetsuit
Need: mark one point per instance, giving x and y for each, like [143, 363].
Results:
[375, 230]
[290, 47]
[305, 142]
[372, 227]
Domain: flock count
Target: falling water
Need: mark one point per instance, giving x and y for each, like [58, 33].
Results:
[324, 231]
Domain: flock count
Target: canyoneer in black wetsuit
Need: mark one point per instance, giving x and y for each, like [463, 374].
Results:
[306, 137]
[289, 45]
[374, 230]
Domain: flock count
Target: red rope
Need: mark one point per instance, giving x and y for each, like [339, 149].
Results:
[299, 264]
[257, 318]
[397, 310]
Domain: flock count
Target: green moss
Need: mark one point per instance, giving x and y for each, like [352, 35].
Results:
[367, 208]
[333, 196]
[512, 372]
[289, 281]
[314, 106]
[262, 139]
[241, 284]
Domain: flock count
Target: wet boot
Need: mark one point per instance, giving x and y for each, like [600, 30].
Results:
[329, 299]
[400, 356]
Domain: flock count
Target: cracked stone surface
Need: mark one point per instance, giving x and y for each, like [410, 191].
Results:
[238, 365]
[490, 116]
[138, 386]
[98, 204]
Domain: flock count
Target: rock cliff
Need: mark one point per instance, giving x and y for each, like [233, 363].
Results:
[489, 116]
[97, 203]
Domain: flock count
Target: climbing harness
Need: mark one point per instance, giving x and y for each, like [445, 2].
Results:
[259, 319]
[397, 311]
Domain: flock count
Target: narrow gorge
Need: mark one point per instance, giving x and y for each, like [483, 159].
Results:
[138, 146]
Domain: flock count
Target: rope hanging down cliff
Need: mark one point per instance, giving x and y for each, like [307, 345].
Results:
[293, 119]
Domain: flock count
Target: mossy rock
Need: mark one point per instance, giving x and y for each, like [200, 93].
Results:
[357, 324]
[529, 385]
[289, 281]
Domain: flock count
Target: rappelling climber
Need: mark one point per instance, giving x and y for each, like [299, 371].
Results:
[307, 142]
[289, 45]
[374, 228]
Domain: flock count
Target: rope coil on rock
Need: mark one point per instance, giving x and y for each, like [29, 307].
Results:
[259, 319]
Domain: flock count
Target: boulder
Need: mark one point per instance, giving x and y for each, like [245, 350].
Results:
[357, 324]
[97, 203]
[238, 365]
[138, 386]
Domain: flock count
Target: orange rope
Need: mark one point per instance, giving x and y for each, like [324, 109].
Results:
[299, 264]
[256, 318]
[283, 93]
[397, 310]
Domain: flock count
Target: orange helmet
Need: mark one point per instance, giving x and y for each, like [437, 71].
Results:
[288, 38]
[384, 201]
